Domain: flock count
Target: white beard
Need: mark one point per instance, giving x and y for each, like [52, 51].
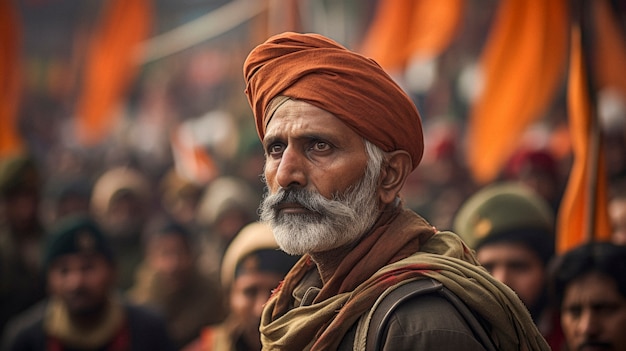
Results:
[330, 224]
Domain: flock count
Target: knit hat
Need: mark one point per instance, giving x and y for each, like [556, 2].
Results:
[507, 212]
[76, 234]
[254, 249]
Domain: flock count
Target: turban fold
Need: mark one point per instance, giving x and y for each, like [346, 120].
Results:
[319, 71]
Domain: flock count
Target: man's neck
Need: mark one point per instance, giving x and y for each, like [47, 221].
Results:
[328, 261]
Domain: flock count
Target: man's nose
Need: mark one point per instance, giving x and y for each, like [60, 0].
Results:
[291, 171]
[588, 325]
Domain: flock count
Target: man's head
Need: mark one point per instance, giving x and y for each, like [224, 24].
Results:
[252, 267]
[119, 201]
[511, 229]
[589, 285]
[19, 192]
[324, 115]
[169, 254]
[79, 266]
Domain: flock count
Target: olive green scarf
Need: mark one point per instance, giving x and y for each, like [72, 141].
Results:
[405, 246]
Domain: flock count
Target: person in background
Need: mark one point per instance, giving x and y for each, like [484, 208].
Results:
[83, 310]
[617, 210]
[180, 198]
[252, 267]
[340, 139]
[588, 283]
[227, 205]
[121, 202]
[168, 280]
[538, 169]
[66, 197]
[21, 235]
[511, 228]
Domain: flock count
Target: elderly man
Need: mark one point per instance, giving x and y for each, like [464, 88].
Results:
[340, 139]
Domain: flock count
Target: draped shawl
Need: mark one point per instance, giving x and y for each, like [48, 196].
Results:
[403, 246]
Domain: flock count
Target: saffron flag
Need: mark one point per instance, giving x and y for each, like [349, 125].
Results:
[583, 214]
[610, 49]
[523, 64]
[110, 66]
[10, 83]
[192, 161]
[405, 29]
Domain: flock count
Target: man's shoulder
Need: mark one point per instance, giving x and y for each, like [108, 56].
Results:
[27, 325]
[423, 311]
[148, 328]
[143, 314]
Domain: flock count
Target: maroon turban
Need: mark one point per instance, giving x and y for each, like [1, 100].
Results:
[319, 71]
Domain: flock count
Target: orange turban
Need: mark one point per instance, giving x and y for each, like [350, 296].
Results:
[319, 71]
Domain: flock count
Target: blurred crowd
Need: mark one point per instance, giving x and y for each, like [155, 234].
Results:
[177, 227]
[169, 235]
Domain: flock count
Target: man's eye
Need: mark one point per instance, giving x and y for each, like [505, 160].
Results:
[573, 311]
[321, 146]
[275, 149]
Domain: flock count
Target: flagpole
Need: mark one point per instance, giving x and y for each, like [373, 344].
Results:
[584, 15]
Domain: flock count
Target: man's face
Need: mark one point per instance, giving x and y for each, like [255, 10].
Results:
[82, 281]
[516, 266]
[318, 197]
[171, 259]
[248, 295]
[593, 314]
[617, 213]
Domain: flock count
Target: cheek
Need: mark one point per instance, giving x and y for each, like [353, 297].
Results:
[530, 284]
[240, 304]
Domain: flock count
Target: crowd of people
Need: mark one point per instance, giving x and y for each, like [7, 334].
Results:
[128, 260]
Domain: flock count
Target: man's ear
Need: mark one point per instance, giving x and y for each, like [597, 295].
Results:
[396, 169]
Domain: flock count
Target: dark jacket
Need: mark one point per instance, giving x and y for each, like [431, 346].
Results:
[146, 328]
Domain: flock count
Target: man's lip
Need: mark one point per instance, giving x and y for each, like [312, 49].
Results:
[290, 208]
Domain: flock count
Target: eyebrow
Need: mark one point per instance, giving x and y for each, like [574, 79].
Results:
[270, 139]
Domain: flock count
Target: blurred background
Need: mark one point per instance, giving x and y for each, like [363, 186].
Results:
[157, 85]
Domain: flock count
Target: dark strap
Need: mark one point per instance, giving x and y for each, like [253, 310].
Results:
[414, 288]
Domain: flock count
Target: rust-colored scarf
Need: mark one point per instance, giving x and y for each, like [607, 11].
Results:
[397, 235]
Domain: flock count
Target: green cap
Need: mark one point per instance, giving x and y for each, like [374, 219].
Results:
[507, 212]
[76, 234]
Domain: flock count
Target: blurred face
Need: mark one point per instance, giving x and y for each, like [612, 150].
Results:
[124, 216]
[617, 213]
[593, 315]
[21, 209]
[82, 281]
[249, 293]
[320, 196]
[516, 266]
[170, 258]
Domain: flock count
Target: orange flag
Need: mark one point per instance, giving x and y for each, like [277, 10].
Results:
[523, 63]
[583, 214]
[610, 49]
[10, 79]
[109, 68]
[191, 160]
[402, 29]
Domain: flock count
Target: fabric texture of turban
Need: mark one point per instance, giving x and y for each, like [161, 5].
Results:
[319, 71]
